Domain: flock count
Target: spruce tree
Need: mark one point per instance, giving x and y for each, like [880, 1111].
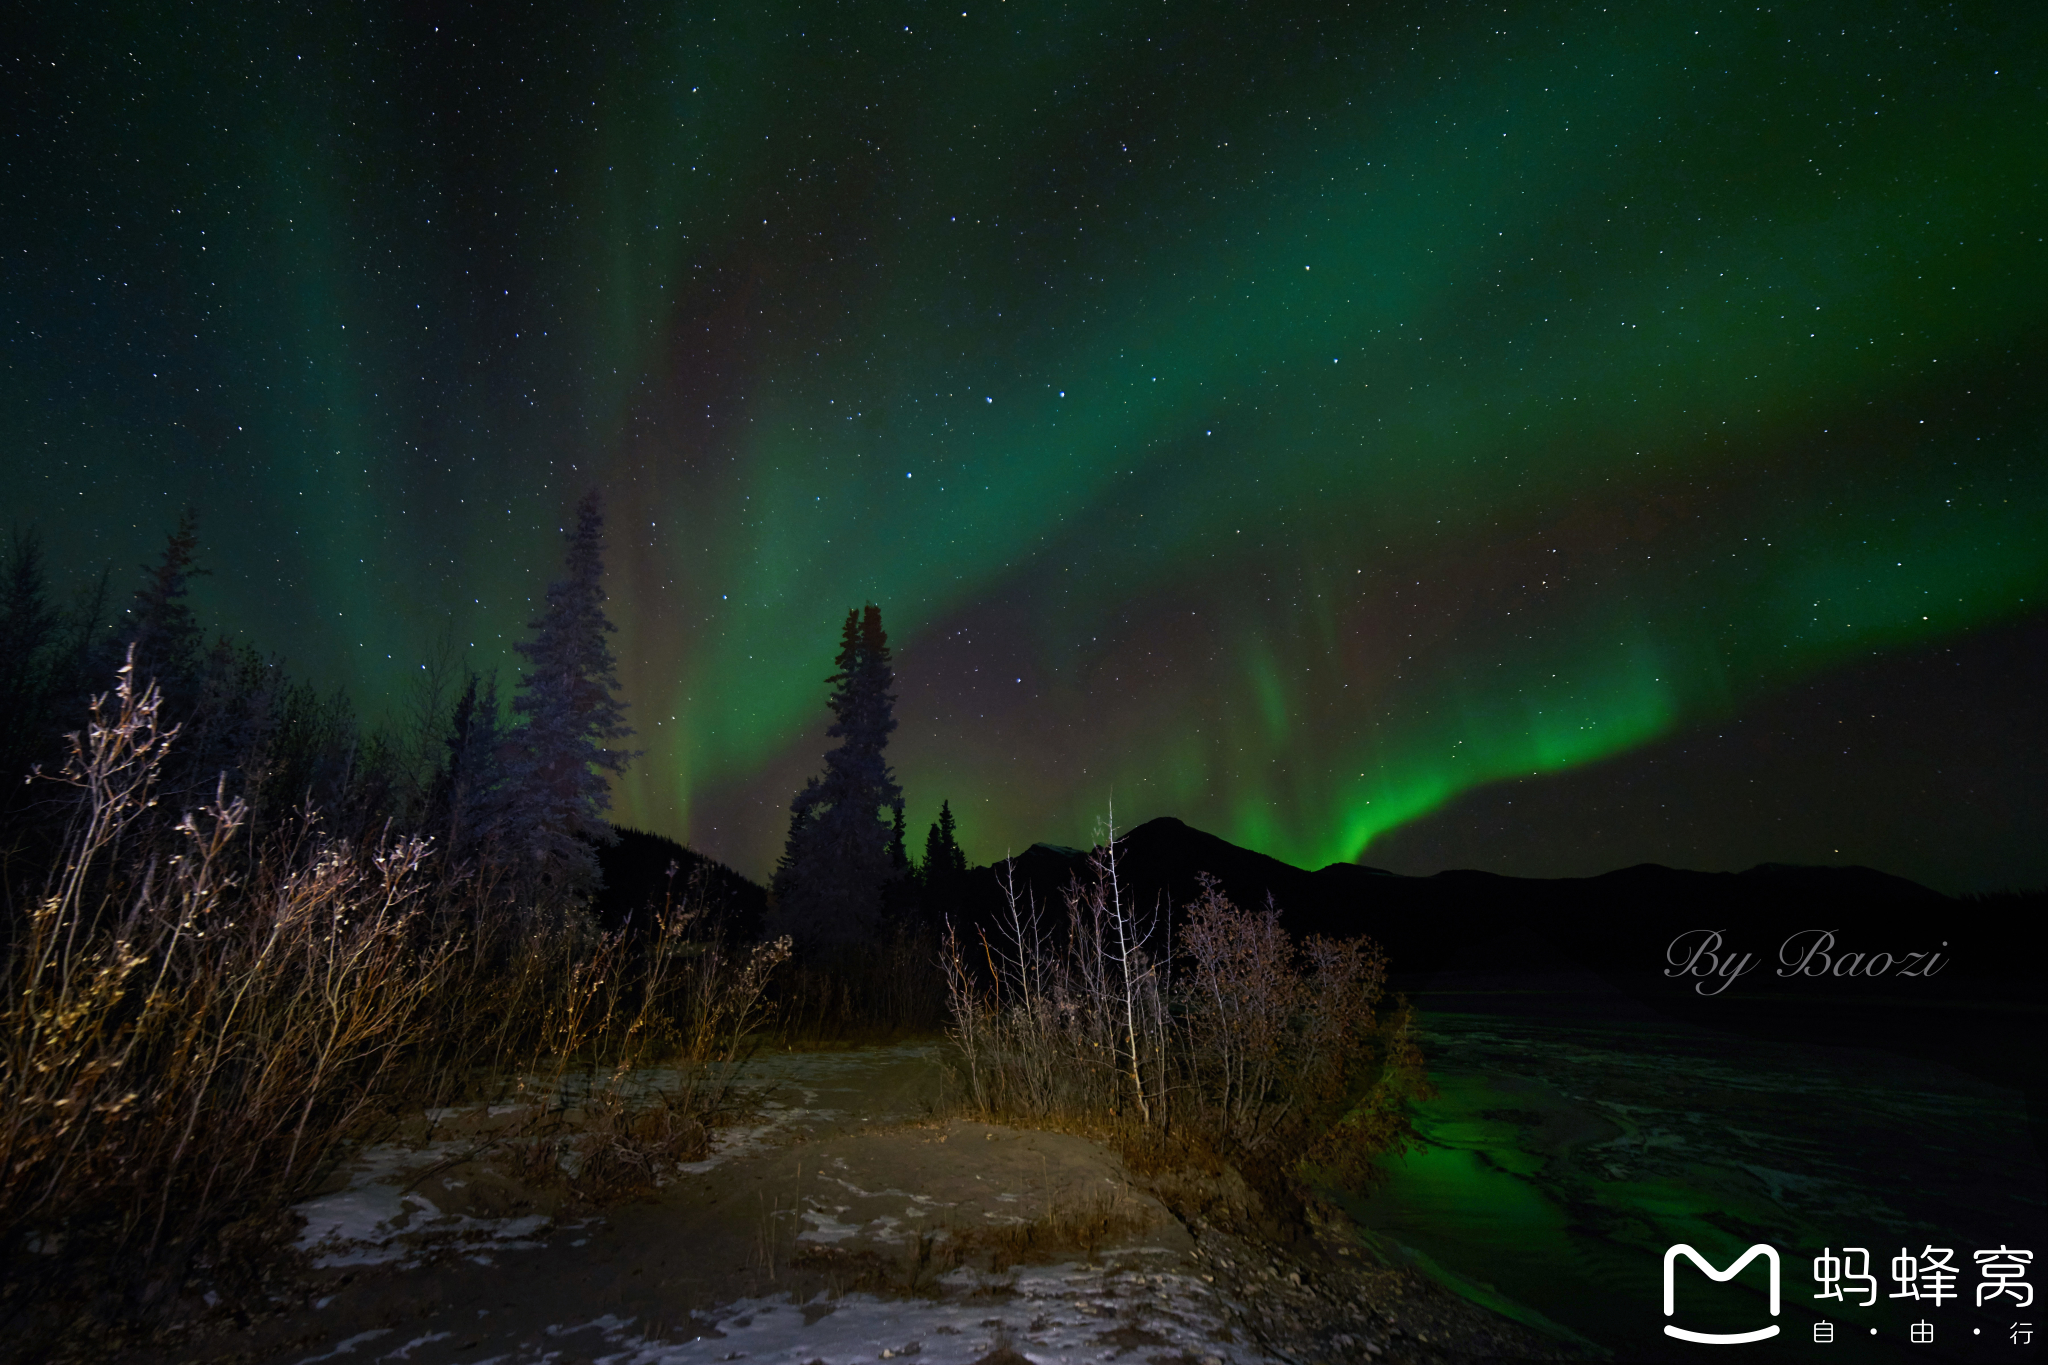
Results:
[161, 625]
[557, 786]
[468, 782]
[899, 854]
[945, 864]
[841, 855]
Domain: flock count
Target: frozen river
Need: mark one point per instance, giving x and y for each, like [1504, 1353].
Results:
[1565, 1153]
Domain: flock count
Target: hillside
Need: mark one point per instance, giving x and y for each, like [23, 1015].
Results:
[1606, 945]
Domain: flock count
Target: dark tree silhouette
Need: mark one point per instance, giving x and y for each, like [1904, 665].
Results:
[88, 651]
[899, 853]
[560, 761]
[945, 864]
[468, 785]
[841, 857]
[29, 636]
[161, 625]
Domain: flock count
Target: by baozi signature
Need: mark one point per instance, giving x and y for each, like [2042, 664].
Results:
[1702, 956]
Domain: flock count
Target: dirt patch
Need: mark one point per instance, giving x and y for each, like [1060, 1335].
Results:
[842, 1221]
[462, 1244]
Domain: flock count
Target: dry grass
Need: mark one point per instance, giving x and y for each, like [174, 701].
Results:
[863, 993]
[609, 1016]
[1077, 1226]
[195, 1030]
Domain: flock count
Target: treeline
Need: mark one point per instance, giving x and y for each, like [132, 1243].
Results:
[279, 744]
[513, 797]
[243, 930]
[513, 791]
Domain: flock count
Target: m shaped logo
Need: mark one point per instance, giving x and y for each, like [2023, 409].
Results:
[1671, 1255]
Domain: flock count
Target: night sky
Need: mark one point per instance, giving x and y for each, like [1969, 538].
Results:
[1540, 439]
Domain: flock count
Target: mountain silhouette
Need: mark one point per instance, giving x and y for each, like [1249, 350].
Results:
[1617, 945]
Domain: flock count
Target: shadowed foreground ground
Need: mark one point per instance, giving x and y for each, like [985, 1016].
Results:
[847, 1220]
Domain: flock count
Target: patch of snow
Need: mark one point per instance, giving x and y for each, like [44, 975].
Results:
[375, 1220]
[728, 1143]
[608, 1324]
[1046, 1314]
[825, 1227]
[854, 1189]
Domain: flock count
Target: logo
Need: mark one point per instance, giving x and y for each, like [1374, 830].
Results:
[1671, 1255]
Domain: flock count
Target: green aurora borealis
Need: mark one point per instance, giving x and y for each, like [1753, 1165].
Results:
[1291, 418]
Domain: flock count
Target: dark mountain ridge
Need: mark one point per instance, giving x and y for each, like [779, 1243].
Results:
[1433, 924]
[638, 884]
[1838, 956]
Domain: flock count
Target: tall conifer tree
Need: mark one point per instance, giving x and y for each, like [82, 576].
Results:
[557, 786]
[838, 859]
[468, 785]
[943, 856]
[945, 864]
[161, 625]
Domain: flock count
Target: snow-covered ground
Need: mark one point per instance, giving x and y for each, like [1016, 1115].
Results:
[839, 1181]
[1048, 1315]
[1045, 1314]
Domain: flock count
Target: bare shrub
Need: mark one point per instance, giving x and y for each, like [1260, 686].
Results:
[1068, 1028]
[1284, 1045]
[1242, 1003]
[1370, 1117]
[187, 1032]
[1257, 1045]
[197, 1026]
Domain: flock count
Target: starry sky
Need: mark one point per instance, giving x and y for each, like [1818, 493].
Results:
[1541, 438]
